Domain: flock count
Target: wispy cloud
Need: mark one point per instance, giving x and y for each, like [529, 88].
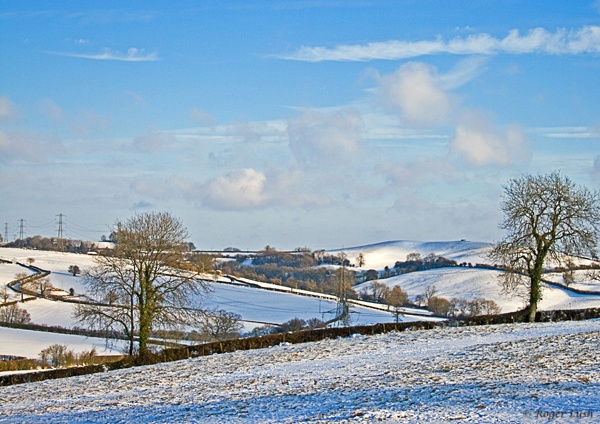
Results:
[317, 138]
[133, 55]
[538, 40]
[8, 111]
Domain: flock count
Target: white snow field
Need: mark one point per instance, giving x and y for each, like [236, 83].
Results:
[257, 306]
[29, 344]
[513, 373]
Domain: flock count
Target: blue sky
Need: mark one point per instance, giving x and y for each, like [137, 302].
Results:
[292, 123]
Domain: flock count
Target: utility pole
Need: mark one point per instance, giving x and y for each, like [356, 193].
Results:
[342, 310]
[6, 232]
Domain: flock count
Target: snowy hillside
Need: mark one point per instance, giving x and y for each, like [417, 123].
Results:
[504, 373]
[378, 256]
[256, 306]
[259, 306]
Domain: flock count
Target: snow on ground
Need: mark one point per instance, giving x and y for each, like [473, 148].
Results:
[29, 343]
[56, 262]
[546, 372]
[254, 305]
[378, 256]
[470, 283]
[582, 280]
[459, 282]
[251, 303]
[265, 306]
[50, 312]
[259, 305]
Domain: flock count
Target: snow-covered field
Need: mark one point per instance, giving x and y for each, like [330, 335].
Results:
[29, 343]
[265, 306]
[515, 373]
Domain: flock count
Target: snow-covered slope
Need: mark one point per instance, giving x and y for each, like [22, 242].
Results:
[505, 373]
[455, 282]
[266, 306]
[29, 343]
[378, 256]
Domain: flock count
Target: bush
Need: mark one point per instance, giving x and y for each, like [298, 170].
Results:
[58, 355]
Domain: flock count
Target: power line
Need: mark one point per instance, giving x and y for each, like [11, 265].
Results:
[81, 227]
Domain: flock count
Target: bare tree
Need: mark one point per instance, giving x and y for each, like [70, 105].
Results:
[430, 291]
[378, 291]
[144, 282]
[415, 256]
[548, 217]
[12, 314]
[74, 270]
[439, 305]
[220, 324]
[396, 298]
[360, 260]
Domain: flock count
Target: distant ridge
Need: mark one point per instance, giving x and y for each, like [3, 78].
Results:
[379, 255]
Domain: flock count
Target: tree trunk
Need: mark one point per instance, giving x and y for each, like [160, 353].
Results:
[535, 291]
[532, 311]
[145, 328]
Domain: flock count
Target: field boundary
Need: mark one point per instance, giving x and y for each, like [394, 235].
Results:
[304, 336]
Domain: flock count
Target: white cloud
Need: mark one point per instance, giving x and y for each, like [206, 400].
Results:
[133, 55]
[8, 111]
[153, 141]
[414, 89]
[51, 110]
[596, 168]
[249, 132]
[416, 173]
[538, 40]
[28, 146]
[201, 117]
[315, 137]
[89, 123]
[479, 144]
[242, 189]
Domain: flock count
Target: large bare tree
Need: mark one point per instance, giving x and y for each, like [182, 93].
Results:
[547, 217]
[144, 282]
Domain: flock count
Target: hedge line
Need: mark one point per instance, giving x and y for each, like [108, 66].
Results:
[305, 336]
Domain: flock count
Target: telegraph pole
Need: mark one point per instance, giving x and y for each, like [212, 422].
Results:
[6, 232]
[342, 310]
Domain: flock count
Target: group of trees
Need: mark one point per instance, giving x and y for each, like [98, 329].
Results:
[414, 262]
[455, 308]
[295, 324]
[59, 355]
[13, 314]
[461, 308]
[54, 244]
[296, 270]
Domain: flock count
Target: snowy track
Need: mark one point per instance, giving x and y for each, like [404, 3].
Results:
[505, 373]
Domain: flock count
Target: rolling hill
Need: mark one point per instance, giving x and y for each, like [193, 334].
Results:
[261, 303]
